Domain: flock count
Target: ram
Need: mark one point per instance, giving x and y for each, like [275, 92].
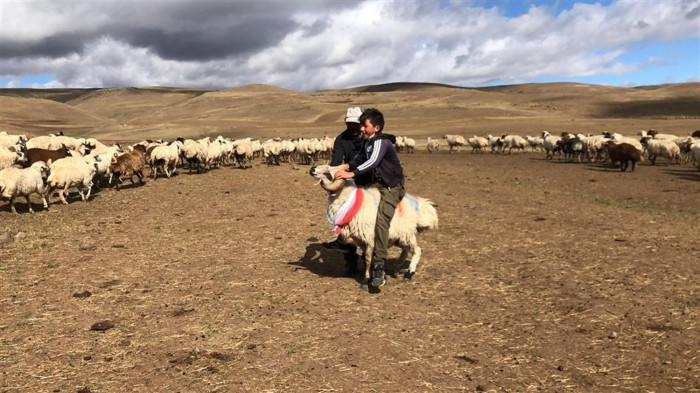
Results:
[413, 215]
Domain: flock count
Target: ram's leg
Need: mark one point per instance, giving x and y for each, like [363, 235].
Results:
[405, 252]
[414, 262]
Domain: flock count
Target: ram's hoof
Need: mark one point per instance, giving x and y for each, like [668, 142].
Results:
[408, 276]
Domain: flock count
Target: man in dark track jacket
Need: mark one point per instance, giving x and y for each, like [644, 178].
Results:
[379, 159]
[346, 147]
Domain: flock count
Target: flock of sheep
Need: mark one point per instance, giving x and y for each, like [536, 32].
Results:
[612, 147]
[50, 164]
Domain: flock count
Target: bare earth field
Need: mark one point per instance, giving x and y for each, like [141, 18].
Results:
[543, 275]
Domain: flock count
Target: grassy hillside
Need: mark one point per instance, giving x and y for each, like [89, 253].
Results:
[418, 109]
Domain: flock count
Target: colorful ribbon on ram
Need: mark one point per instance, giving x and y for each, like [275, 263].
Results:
[348, 210]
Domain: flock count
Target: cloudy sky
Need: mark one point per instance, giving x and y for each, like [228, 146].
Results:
[308, 45]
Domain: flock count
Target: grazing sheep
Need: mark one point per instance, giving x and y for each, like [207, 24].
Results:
[433, 145]
[623, 153]
[11, 156]
[16, 182]
[478, 144]
[129, 164]
[663, 147]
[454, 141]
[413, 215]
[72, 171]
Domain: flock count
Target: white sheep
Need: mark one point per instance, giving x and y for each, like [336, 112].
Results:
[16, 182]
[594, 146]
[511, 142]
[11, 156]
[195, 154]
[413, 215]
[410, 144]
[495, 142]
[549, 142]
[16, 141]
[272, 149]
[695, 152]
[55, 142]
[74, 171]
[478, 143]
[243, 153]
[165, 157]
[663, 147]
[215, 153]
[400, 143]
[454, 141]
[433, 145]
[619, 138]
[655, 135]
[535, 142]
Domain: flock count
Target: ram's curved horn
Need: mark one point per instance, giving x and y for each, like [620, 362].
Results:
[336, 185]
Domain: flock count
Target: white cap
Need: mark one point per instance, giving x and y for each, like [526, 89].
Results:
[353, 114]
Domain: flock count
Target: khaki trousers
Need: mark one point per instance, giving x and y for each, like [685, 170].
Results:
[390, 197]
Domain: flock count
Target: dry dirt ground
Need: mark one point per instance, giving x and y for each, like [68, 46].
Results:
[543, 276]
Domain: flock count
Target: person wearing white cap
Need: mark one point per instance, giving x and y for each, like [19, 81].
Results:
[347, 145]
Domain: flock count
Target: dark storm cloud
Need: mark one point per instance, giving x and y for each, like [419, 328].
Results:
[216, 43]
[174, 30]
[57, 45]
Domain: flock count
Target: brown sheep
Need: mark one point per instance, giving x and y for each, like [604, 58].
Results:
[128, 164]
[48, 156]
[624, 153]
